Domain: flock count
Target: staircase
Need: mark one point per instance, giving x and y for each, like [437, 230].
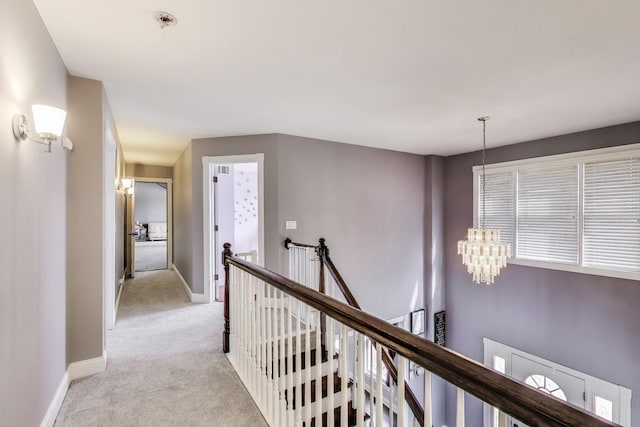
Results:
[301, 355]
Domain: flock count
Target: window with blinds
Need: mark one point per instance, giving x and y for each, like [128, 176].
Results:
[548, 214]
[499, 204]
[612, 214]
[577, 212]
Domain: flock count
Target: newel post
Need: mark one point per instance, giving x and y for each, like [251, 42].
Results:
[322, 251]
[225, 334]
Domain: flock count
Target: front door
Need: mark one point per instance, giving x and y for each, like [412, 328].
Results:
[605, 399]
[553, 381]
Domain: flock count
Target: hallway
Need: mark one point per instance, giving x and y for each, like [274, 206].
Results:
[165, 365]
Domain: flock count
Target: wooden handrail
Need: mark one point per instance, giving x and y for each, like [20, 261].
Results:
[288, 242]
[520, 401]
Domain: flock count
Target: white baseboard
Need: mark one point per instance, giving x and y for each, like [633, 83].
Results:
[85, 368]
[56, 403]
[195, 298]
[120, 286]
[76, 370]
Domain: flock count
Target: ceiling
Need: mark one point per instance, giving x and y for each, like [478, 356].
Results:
[410, 75]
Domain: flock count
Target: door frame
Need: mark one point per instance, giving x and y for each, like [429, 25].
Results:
[209, 209]
[109, 206]
[169, 183]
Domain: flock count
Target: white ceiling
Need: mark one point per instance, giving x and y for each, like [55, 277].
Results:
[409, 75]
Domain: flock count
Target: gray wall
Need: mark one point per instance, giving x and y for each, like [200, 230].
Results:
[586, 322]
[182, 219]
[84, 220]
[368, 204]
[139, 170]
[266, 144]
[32, 223]
[151, 202]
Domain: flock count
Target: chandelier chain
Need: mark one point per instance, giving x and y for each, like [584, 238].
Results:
[484, 148]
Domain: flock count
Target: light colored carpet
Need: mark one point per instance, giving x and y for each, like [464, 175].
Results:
[165, 365]
[151, 255]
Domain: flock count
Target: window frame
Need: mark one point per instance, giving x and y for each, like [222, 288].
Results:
[544, 162]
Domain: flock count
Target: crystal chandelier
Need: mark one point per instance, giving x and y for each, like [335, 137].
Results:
[482, 252]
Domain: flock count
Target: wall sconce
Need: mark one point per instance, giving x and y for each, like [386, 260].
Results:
[48, 122]
[126, 185]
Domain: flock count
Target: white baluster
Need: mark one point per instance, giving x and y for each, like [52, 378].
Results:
[281, 355]
[360, 381]
[379, 380]
[344, 376]
[319, 354]
[428, 406]
[255, 353]
[298, 397]
[291, 412]
[307, 365]
[330, 386]
[460, 409]
[402, 368]
[271, 408]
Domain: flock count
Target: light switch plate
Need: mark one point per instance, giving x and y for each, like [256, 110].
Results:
[291, 225]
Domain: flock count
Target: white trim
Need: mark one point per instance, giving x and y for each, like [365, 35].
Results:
[56, 403]
[575, 268]
[109, 194]
[120, 287]
[86, 368]
[194, 298]
[75, 371]
[586, 155]
[208, 209]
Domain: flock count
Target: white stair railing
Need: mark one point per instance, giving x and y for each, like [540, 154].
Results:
[267, 336]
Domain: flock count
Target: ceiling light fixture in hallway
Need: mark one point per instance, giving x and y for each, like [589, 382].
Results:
[165, 19]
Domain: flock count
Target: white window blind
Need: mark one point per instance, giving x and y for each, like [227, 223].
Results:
[499, 204]
[612, 214]
[547, 220]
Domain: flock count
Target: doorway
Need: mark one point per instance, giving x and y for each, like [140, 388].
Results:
[151, 222]
[233, 203]
[609, 401]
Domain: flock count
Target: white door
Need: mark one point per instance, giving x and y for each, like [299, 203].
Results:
[548, 380]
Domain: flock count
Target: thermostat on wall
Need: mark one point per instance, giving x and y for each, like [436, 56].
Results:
[291, 225]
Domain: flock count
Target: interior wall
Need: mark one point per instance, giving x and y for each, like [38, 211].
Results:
[32, 222]
[148, 171]
[183, 215]
[588, 323]
[369, 205]
[228, 146]
[336, 191]
[151, 202]
[85, 215]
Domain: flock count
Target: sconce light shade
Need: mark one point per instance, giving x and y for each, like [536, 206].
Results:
[48, 120]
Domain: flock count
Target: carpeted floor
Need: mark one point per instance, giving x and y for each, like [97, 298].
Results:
[165, 365]
[151, 255]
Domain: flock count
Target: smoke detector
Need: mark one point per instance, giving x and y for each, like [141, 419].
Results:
[165, 19]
